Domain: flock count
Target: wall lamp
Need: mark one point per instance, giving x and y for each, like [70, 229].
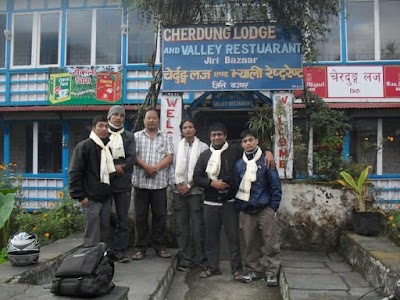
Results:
[124, 28]
[7, 34]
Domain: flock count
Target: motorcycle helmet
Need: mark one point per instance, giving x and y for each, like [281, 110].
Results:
[23, 249]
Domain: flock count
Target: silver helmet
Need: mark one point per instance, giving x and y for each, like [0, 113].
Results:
[23, 249]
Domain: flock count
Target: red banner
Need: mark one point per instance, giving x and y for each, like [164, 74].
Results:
[391, 75]
[315, 80]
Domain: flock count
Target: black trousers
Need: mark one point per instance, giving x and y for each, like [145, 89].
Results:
[157, 201]
[216, 217]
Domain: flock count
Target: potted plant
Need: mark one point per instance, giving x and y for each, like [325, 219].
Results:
[366, 218]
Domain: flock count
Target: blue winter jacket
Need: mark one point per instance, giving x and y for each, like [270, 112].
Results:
[265, 191]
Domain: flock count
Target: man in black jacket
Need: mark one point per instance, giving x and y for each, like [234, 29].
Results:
[214, 173]
[123, 149]
[89, 175]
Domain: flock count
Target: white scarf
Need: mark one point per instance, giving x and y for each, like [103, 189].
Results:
[249, 176]
[116, 143]
[214, 163]
[106, 162]
[181, 160]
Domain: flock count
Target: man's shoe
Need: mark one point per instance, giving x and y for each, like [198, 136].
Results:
[272, 280]
[249, 277]
[183, 268]
[122, 258]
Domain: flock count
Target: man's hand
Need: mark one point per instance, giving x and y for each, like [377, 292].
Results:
[84, 202]
[269, 160]
[151, 171]
[119, 169]
[183, 189]
[219, 185]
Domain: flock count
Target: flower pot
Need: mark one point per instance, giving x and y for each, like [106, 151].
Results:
[367, 223]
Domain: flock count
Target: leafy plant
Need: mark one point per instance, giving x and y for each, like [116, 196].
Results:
[392, 224]
[262, 122]
[61, 220]
[359, 188]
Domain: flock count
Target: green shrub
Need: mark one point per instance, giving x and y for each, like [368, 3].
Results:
[392, 225]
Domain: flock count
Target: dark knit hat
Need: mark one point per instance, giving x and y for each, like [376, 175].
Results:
[115, 109]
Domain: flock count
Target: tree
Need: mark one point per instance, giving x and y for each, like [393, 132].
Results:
[310, 17]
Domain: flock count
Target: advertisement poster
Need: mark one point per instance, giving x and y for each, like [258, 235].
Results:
[392, 81]
[231, 58]
[82, 85]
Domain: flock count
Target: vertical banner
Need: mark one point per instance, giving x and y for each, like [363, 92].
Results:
[171, 115]
[283, 117]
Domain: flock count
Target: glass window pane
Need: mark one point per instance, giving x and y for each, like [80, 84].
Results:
[1, 144]
[141, 40]
[3, 26]
[360, 30]
[20, 4]
[75, 3]
[389, 11]
[79, 130]
[49, 27]
[330, 50]
[21, 148]
[79, 32]
[391, 146]
[3, 5]
[53, 3]
[22, 39]
[108, 47]
[37, 4]
[363, 142]
[50, 154]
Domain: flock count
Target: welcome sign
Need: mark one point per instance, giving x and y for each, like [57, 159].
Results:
[224, 58]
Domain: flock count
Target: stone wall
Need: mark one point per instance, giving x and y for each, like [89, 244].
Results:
[311, 217]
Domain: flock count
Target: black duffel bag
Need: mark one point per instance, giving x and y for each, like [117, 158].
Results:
[87, 272]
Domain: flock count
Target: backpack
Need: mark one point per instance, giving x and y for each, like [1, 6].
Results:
[87, 272]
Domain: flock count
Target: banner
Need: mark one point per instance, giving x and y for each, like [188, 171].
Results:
[171, 115]
[283, 117]
[82, 85]
[231, 58]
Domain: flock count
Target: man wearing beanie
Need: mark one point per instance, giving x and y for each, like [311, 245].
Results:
[123, 149]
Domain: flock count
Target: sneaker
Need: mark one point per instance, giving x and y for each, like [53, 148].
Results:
[122, 258]
[272, 280]
[183, 268]
[249, 277]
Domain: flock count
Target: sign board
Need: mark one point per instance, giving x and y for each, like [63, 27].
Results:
[171, 115]
[391, 75]
[239, 100]
[283, 117]
[231, 58]
[82, 85]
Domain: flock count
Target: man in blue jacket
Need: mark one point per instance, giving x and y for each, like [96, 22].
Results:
[258, 198]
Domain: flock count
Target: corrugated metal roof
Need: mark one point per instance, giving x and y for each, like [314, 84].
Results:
[357, 105]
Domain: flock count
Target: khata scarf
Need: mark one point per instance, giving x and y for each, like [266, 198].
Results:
[181, 160]
[116, 143]
[106, 162]
[214, 163]
[249, 176]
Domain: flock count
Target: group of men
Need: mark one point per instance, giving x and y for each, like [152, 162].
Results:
[214, 187]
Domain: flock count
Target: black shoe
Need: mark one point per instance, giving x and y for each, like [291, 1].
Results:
[122, 258]
[272, 280]
[183, 268]
[250, 277]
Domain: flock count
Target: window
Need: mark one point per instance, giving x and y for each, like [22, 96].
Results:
[391, 146]
[3, 26]
[30, 52]
[79, 31]
[108, 48]
[363, 142]
[360, 30]
[1, 144]
[330, 50]
[48, 135]
[389, 34]
[141, 40]
[107, 31]
[79, 130]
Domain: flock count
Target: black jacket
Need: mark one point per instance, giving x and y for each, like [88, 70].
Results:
[84, 173]
[226, 174]
[124, 183]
